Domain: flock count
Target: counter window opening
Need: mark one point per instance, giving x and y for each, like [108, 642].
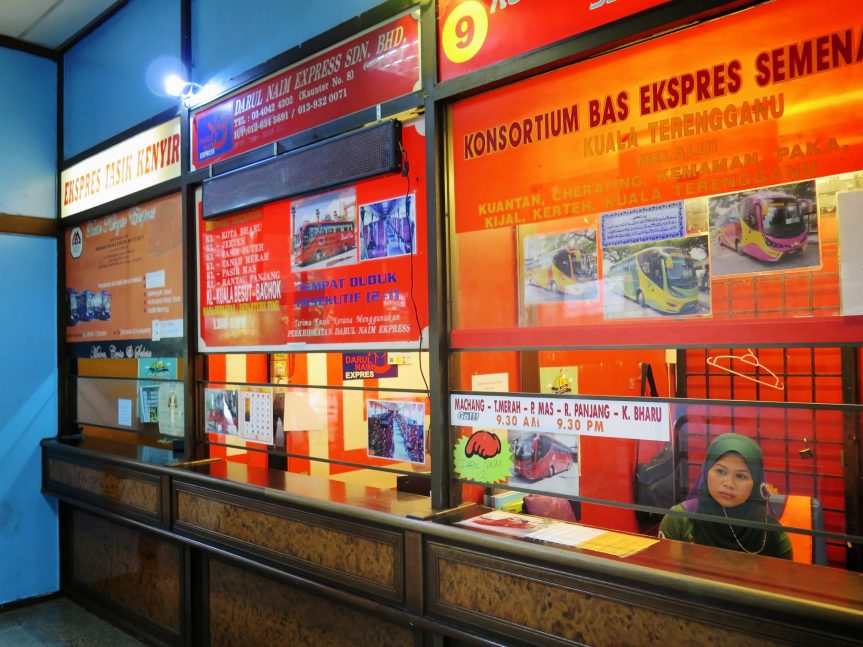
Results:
[320, 347]
[124, 319]
[670, 234]
[625, 484]
[304, 414]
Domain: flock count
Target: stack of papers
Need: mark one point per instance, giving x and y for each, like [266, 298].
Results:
[619, 544]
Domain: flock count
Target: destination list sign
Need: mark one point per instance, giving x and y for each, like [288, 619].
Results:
[585, 417]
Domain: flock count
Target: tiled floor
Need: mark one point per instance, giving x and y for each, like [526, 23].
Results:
[59, 622]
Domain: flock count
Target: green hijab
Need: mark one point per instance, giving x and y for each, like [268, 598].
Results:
[748, 450]
[755, 508]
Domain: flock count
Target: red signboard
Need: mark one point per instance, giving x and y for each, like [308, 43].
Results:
[477, 33]
[346, 268]
[376, 66]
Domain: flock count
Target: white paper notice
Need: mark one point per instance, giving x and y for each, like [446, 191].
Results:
[567, 534]
[171, 405]
[850, 215]
[153, 280]
[167, 329]
[124, 412]
[490, 382]
[256, 414]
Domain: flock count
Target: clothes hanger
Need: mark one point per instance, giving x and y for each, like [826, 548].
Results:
[751, 360]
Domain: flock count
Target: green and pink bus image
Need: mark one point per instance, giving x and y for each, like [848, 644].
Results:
[767, 225]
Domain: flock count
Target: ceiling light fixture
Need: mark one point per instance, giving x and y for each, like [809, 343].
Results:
[175, 86]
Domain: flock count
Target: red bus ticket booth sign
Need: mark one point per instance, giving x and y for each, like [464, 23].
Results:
[341, 269]
[376, 66]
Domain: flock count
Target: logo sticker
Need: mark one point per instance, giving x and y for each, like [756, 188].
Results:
[76, 242]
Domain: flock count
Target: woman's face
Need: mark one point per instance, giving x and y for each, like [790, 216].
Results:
[729, 481]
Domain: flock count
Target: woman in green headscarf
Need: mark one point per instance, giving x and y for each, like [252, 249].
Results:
[729, 487]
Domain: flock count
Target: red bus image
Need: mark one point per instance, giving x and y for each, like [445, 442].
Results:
[540, 455]
[315, 241]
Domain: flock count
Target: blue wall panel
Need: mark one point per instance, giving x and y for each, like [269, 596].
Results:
[28, 136]
[113, 79]
[29, 558]
[230, 37]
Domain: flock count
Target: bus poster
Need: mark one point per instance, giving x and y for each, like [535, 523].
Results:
[560, 266]
[765, 230]
[655, 279]
[124, 282]
[544, 461]
[649, 261]
[655, 261]
[324, 230]
[288, 275]
[396, 430]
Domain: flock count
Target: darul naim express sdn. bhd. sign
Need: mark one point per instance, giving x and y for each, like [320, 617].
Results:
[375, 66]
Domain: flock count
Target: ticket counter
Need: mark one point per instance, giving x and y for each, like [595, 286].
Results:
[231, 554]
[554, 268]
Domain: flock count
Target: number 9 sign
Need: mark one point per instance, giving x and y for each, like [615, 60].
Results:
[464, 31]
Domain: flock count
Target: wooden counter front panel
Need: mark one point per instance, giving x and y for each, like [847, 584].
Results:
[122, 490]
[137, 570]
[540, 607]
[248, 609]
[348, 553]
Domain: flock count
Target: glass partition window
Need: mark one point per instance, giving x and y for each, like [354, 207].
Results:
[124, 301]
[673, 292]
[580, 424]
[560, 273]
[125, 400]
[313, 329]
[343, 416]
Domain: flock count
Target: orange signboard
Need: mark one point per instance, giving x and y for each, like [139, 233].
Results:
[763, 97]
[124, 281]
